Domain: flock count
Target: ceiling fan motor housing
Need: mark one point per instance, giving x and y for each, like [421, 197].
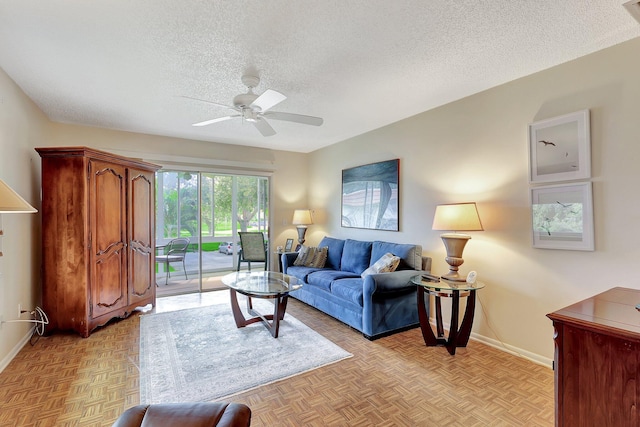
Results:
[245, 100]
[250, 81]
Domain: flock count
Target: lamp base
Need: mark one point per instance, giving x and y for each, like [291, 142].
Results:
[302, 230]
[454, 243]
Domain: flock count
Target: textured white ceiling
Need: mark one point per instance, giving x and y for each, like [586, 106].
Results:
[126, 64]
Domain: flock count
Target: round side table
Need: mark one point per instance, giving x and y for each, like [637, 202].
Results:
[458, 337]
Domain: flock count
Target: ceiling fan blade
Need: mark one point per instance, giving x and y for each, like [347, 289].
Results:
[210, 102]
[212, 121]
[264, 127]
[297, 118]
[268, 99]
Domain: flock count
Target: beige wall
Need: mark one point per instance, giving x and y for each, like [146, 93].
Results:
[476, 150]
[22, 126]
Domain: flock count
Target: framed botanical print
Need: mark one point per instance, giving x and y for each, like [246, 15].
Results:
[560, 148]
[562, 217]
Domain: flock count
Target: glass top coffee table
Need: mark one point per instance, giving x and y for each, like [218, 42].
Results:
[261, 284]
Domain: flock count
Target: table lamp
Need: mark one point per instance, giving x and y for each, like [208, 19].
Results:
[11, 202]
[456, 217]
[301, 219]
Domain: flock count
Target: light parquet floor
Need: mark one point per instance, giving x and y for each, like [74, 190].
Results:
[65, 380]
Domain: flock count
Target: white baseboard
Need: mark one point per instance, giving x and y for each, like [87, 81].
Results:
[519, 352]
[15, 350]
[535, 358]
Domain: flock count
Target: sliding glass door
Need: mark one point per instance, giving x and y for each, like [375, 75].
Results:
[208, 209]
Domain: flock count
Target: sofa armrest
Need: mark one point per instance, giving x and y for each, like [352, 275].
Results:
[388, 282]
[288, 259]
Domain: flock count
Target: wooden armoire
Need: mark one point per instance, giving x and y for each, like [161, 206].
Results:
[98, 236]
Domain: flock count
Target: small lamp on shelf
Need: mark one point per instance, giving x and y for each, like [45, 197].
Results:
[11, 202]
[456, 217]
[301, 219]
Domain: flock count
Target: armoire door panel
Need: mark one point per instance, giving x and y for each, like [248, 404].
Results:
[108, 236]
[141, 234]
[107, 291]
[141, 283]
[108, 203]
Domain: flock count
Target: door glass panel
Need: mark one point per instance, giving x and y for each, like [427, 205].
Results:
[177, 217]
[251, 210]
[209, 209]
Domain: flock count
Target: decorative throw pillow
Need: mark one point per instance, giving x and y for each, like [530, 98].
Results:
[303, 254]
[386, 264]
[311, 257]
[320, 258]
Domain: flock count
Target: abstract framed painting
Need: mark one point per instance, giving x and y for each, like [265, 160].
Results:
[562, 217]
[370, 196]
[560, 148]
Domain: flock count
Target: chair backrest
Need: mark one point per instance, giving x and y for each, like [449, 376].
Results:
[253, 246]
[177, 246]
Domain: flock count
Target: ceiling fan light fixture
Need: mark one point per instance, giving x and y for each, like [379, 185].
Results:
[250, 115]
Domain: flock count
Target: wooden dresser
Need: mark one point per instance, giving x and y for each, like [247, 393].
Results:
[597, 360]
[98, 236]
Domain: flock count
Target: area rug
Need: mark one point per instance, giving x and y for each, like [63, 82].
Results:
[199, 354]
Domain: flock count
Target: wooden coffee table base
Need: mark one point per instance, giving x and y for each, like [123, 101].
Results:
[280, 306]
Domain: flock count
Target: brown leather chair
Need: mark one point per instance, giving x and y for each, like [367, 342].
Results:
[186, 415]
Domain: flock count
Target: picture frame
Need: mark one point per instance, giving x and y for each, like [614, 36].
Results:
[370, 196]
[289, 245]
[562, 217]
[560, 148]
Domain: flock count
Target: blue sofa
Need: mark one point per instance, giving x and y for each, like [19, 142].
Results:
[377, 305]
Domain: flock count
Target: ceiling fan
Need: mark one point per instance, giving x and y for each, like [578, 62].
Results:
[255, 109]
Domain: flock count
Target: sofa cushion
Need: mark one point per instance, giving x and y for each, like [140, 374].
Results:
[410, 255]
[311, 257]
[301, 273]
[349, 289]
[323, 278]
[334, 251]
[386, 264]
[356, 256]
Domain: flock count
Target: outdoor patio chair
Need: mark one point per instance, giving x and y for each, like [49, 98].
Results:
[252, 248]
[175, 251]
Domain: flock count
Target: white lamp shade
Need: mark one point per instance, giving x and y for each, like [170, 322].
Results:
[11, 202]
[457, 217]
[302, 217]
